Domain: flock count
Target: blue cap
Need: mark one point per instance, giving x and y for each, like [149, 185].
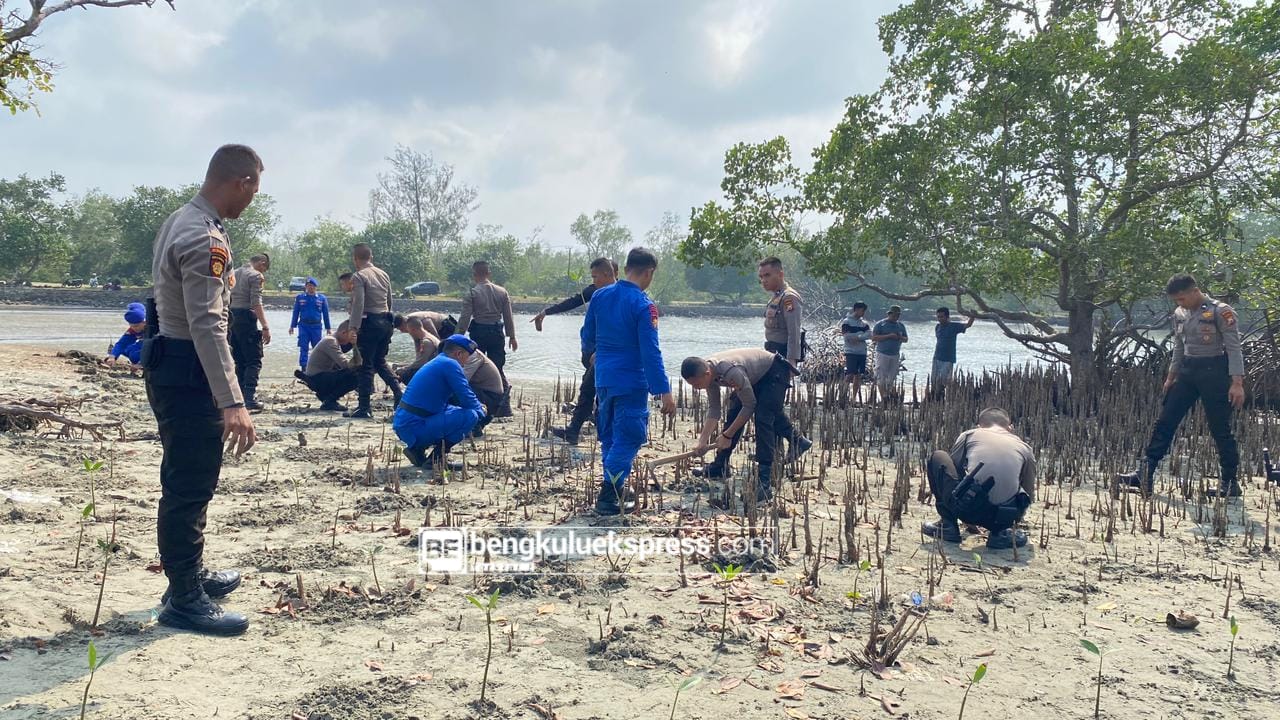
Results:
[462, 341]
[312, 281]
[135, 313]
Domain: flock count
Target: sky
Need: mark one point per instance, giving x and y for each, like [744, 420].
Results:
[550, 108]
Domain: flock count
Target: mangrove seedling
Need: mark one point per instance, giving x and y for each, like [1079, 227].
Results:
[855, 596]
[95, 662]
[1097, 699]
[107, 548]
[84, 515]
[727, 574]
[373, 563]
[488, 606]
[91, 468]
[978, 559]
[976, 678]
[1231, 656]
[684, 685]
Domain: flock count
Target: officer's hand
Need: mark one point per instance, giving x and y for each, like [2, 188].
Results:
[266, 336]
[1236, 394]
[1169, 382]
[237, 430]
[512, 342]
[290, 331]
[668, 404]
[723, 443]
[537, 320]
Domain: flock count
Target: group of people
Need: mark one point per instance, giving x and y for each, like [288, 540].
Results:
[889, 335]
[200, 342]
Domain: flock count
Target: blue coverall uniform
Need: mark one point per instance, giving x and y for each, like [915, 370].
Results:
[425, 417]
[129, 345]
[309, 313]
[622, 326]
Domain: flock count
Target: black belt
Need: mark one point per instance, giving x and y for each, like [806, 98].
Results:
[1203, 361]
[242, 311]
[310, 322]
[379, 316]
[414, 410]
[487, 325]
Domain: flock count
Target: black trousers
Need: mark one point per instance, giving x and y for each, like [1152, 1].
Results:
[245, 340]
[331, 386]
[943, 479]
[586, 394]
[374, 341]
[1206, 380]
[770, 391]
[493, 402]
[190, 427]
[492, 340]
[785, 429]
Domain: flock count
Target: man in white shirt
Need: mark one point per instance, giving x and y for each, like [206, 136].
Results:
[988, 479]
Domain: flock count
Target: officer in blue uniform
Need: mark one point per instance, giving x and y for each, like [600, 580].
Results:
[424, 418]
[130, 343]
[622, 326]
[310, 311]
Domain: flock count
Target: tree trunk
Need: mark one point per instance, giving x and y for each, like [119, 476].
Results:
[1080, 345]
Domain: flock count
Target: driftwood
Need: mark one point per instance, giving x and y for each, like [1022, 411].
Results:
[36, 415]
[656, 462]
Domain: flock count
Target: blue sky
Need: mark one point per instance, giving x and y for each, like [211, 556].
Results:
[549, 108]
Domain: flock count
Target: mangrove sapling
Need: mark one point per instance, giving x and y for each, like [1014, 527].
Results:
[1231, 656]
[84, 515]
[373, 563]
[974, 680]
[978, 559]
[1097, 699]
[488, 606]
[855, 596]
[91, 468]
[108, 548]
[95, 662]
[684, 685]
[727, 574]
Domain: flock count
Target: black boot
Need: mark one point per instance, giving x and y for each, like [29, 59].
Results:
[415, 456]
[1228, 487]
[568, 434]
[189, 608]
[216, 584]
[764, 491]
[333, 406]
[360, 413]
[1144, 478]
[607, 503]
[304, 378]
[252, 405]
[797, 447]
[717, 469]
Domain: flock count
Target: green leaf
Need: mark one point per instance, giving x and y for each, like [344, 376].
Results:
[690, 682]
[475, 602]
[977, 558]
[93, 656]
[1090, 647]
[493, 599]
[865, 565]
[979, 673]
[87, 511]
[1234, 627]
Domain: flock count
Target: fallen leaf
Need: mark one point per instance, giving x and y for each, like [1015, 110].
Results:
[297, 715]
[1106, 606]
[810, 673]
[906, 667]
[796, 713]
[986, 653]
[420, 677]
[545, 713]
[824, 686]
[770, 666]
[155, 568]
[373, 665]
[835, 637]
[546, 609]
[537, 641]
[791, 689]
[778, 581]
[888, 706]
[270, 610]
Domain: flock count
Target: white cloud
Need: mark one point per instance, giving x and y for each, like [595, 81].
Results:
[731, 28]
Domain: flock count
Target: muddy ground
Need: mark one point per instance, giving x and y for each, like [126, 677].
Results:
[594, 638]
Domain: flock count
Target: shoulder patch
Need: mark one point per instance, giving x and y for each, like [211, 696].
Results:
[1229, 317]
[788, 304]
[653, 315]
[218, 257]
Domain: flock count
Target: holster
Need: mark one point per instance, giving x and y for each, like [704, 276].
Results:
[172, 362]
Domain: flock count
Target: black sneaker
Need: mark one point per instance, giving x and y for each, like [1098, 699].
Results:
[1232, 490]
[216, 584]
[1006, 539]
[710, 472]
[565, 434]
[333, 406]
[359, 414]
[417, 456]
[797, 447]
[949, 531]
[194, 611]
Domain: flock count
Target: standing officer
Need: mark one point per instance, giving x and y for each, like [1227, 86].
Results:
[1207, 366]
[604, 272]
[373, 323]
[310, 310]
[622, 326]
[245, 338]
[757, 382]
[192, 388]
[783, 335]
[486, 311]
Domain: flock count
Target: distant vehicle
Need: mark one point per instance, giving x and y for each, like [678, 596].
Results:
[422, 288]
[297, 284]
[72, 282]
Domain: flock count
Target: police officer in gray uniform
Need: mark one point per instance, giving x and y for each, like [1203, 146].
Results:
[373, 323]
[247, 316]
[486, 312]
[1208, 366]
[783, 335]
[192, 388]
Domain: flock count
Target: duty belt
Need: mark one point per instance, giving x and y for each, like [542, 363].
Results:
[1203, 361]
[309, 322]
[414, 410]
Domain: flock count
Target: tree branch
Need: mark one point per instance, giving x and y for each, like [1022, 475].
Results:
[39, 14]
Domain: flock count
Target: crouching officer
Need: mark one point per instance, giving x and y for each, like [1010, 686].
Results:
[988, 480]
[192, 387]
[329, 374]
[1208, 366]
[622, 326]
[757, 382]
[490, 387]
[424, 418]
[245, 337]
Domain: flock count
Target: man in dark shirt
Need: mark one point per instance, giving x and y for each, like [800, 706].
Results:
[944, 352]
[604, 272]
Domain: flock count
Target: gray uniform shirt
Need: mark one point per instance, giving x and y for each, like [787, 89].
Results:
[487, 304]
[1208, 331]
[736, 370]
[327, 356]
[427, 349]
[370, 294]
[482, 373]
[430, 320]
[190, 265]
[1005, 456]
[782, 320]
[246, 292]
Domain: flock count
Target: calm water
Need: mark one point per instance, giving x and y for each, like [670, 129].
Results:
[541, 355]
